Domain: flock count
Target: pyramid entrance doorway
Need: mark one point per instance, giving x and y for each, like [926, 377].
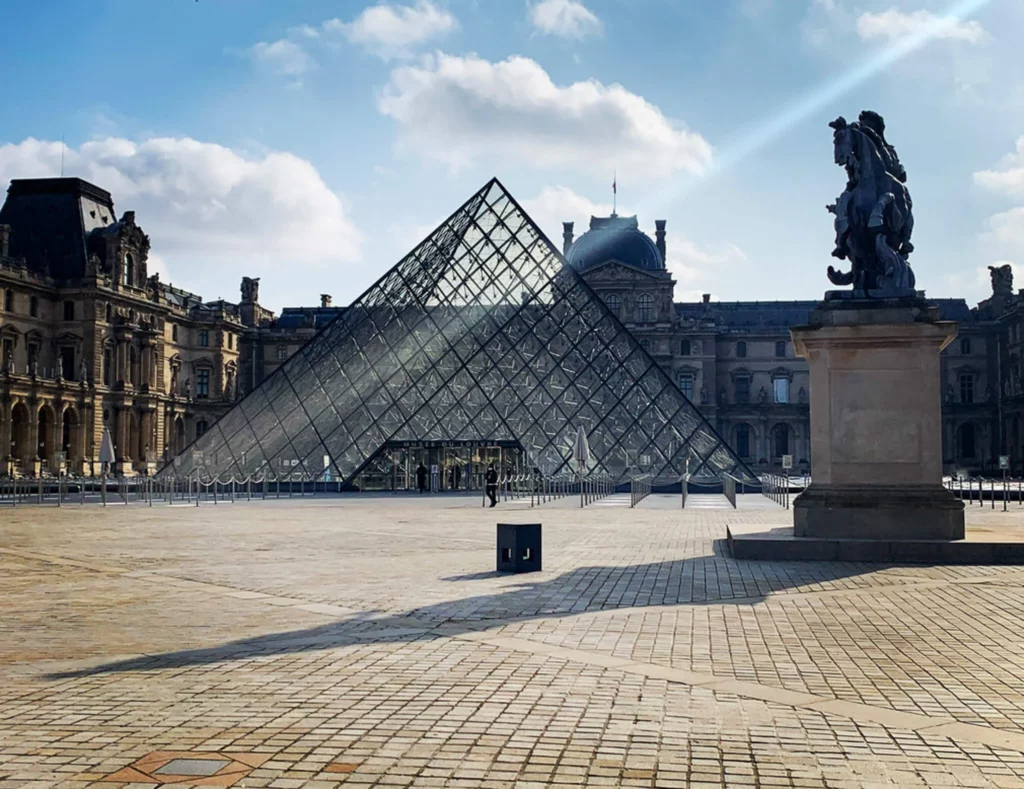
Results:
[452, 466]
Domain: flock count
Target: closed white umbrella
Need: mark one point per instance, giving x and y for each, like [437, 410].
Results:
[581, 451]
[106, 449]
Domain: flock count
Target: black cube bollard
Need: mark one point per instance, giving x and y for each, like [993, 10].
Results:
[518, 547]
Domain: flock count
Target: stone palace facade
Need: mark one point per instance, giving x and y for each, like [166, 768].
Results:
[90, 342]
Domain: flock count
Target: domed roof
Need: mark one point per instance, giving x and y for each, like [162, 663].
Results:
[615, 238]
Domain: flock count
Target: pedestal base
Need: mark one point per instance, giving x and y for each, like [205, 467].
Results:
[877, 512]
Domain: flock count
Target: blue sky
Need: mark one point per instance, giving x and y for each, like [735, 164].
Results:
[312, 143]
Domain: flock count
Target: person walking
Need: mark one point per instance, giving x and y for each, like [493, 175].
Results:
[492, 485]
[421, 478]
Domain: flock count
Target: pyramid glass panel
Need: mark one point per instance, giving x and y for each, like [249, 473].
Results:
[480, 336]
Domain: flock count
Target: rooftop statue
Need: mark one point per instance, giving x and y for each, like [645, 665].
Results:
[874, 217]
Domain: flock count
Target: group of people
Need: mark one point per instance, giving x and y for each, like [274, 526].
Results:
[490, 482]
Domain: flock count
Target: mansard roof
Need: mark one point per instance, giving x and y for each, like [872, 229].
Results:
[50, 219]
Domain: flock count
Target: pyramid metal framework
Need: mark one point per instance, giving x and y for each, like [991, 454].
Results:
[481, 333]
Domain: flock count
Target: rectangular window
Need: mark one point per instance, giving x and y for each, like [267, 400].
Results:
[781, 386]
[204, 338]
[231, 341]
[8, 350]
[686, 385]
[966, 387]
[282, 352]
[67, 363]
[33, 355]
[108, 366]
[69, 310]
[33, 307]
[741, 350]
[780, 349]
[202, 383]
[174, 332]
[742, 390]
[743, 441]
[9, 300]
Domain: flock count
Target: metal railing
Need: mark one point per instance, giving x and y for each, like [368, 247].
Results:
[149, 491]
[776, 488]
[589, 488]
[977, 489]
[639, 489]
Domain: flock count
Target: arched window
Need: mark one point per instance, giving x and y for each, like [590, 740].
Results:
[684, 348]
[965, 346]
[743, 441]
[129, 270]
[741, 349]
[645, 308]
[614, 303]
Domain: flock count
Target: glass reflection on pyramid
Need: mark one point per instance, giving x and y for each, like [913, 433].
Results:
[481, 336]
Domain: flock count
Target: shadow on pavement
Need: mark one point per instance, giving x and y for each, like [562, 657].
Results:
[704, 580]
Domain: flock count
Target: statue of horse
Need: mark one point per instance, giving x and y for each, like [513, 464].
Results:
[874, 218]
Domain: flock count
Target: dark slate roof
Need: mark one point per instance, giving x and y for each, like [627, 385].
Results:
[50, 219]
[783, 314]
[615, 238]
[300, 317]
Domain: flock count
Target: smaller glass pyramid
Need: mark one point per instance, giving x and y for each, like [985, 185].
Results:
[481, 334]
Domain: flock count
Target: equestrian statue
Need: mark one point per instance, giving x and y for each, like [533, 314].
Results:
[874, 216]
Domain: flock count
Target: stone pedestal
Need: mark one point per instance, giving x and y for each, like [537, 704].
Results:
[876, 430]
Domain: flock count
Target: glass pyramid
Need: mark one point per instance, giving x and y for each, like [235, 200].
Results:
[480, 334]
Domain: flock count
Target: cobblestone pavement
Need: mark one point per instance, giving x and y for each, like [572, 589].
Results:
[367, 641]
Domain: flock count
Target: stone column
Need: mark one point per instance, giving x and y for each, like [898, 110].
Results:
[876, 440]
[33, 431]
[5, 435]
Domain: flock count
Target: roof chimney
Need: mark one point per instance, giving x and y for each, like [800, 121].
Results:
[659, 236]
[5, 240]
[325, 300]
[566, 237]
[707, 298]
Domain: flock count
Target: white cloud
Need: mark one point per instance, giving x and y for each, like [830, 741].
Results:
[894, 24]
[564, 18]
[284, 56]
[698, 268]
[977, 285]
[391, 31]
[557, 204]
[212, 213]
[1009, 179]
[1007, 229]
[458, 110]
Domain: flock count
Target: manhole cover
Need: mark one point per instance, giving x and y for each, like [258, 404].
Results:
[200, 767]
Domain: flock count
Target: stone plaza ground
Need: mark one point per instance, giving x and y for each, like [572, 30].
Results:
[368, 641]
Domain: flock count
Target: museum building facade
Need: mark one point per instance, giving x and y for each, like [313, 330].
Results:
[90, 341]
